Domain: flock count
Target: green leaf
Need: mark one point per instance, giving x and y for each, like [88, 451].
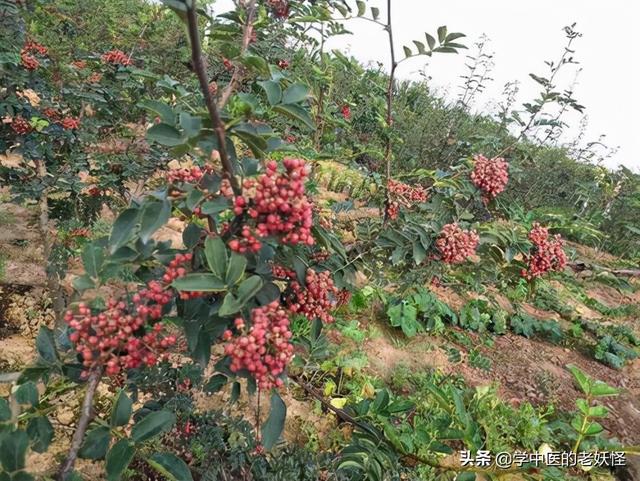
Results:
[599, 388]
[598, 411]
[419, 253]
[193, 199]
[296, 113]
[431, 41]
[235, 269]
[27, 393]
[191, 235]
[153, 424]
[583, 381]
[407, 51]
[95, 443]
[5, 410]
[92, 259]
[249, 288]
[257, 63]
[273, 91]
[420, 47]
[454, 35]
[190, 124]
[46, 345]
[274, 425]
[362, 7]
[216, 253]
[375, 13]
[230, 305]
[295, 93]
[40, 431]
[13, 451]
[215, 206]
[592, 429]
[83, 282]
[118, 458]
[200, 282]
[442, 33]
[164, 111]
[121, 410]
[170, 466]
[166, 135]
[122, 229]
[154, 216]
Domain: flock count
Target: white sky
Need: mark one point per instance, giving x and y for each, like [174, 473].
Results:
[523, 34]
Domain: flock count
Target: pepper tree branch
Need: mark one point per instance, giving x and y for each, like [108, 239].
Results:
[217, 123]
[238, 72]
[387, 150]
[86, 414]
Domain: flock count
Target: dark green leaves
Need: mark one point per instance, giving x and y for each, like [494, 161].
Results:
[273, 91]
[27, 394]
[123, 228]
[274, 425]
[46, 346]
[170, 466]
[40, 432]
[216, 253]
[166, 135]
[92, 259]
[118, 458]
[95, 443]
[153, 424]
[199, 282]
[5, 410]
[121, 411]
[154, 215]
[246, 291]
[13, 451]
[295, 93]
[297, 113]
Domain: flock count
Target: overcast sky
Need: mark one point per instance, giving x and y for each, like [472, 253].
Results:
[523, 34]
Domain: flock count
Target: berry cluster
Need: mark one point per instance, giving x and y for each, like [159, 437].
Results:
[392, 210]
[247, 242]
[27, 57]
[120, 337]
[265, 349]
[95, 78]
[490, 176]
[51, 113]
[279, 204]
[547, 253]
[316, 299]
[283, 64]
[79, 64]
[116, 57]
[406, 194]
[190, 175]
[20, 126]
[346, 112]
[455, 244]
[70, 123]
[280, 8]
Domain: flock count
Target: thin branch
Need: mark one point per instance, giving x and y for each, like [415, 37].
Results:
[217, 123]
[86, 414]
[238, 72]
[387, 149]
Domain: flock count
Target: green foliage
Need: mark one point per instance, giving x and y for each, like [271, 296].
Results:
[420, 311]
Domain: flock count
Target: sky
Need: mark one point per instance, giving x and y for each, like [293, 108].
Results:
[522, 35]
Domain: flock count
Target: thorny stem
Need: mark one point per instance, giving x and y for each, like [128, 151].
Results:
[387, 149]
[238, 71]
[218, 124]
[86, 414]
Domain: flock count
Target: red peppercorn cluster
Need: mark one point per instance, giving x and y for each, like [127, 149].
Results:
[70, 123]
[116, 57]
[20, 126]
[118, 338]
[283, 64]
[227, 63]
[280, 8]
[265, 349]
[51, 114]
[79, 64]
[213, 88]
[27, 57]
[392, 210]
[95, 77]
[346, 112]
[343, 297]
[316, 299]
[247, 242]
[490, 176]
[547, 253]
[279, 204]
[190, 175]
[405, 194]
[455, 244]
